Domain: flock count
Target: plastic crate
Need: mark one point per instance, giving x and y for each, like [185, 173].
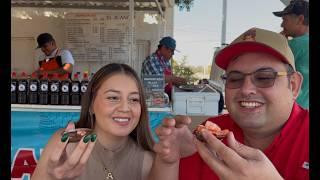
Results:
[203, 102]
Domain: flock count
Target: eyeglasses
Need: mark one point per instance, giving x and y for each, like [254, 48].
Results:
[261, 78]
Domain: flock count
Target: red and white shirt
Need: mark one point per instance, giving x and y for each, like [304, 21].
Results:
[289, 151]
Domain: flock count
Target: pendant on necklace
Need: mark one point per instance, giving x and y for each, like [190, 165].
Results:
[108, 174]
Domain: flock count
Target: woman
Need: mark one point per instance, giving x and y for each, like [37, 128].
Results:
[120, 146]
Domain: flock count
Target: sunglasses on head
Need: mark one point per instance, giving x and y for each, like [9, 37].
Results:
[261, 78]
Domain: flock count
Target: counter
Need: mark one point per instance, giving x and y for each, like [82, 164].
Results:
[33, 125]
[60, 108]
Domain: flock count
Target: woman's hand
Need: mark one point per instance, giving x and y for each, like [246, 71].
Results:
[65, 160]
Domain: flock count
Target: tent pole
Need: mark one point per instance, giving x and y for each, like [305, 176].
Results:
[131, 31]
[224, 22]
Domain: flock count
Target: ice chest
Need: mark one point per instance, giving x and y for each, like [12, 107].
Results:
[201, 102]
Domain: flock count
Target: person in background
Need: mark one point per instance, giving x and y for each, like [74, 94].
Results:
[53, 59]
[158, 63]
[268, 131]
[295, 24]
[120, 147]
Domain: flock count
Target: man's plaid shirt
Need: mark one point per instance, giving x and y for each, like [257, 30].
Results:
[155, 65]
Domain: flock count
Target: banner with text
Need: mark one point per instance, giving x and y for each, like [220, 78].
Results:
[30, 132]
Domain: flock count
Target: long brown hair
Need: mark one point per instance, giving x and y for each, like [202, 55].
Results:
[142, 133]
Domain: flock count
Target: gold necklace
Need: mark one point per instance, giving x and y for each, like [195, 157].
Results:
[101, 153]
[107, 168]
[109, 174]
[106, 157]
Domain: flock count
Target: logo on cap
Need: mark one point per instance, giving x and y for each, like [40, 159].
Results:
[250, 35]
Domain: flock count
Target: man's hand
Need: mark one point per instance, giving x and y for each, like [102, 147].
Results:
[236, 161]
[175, 139]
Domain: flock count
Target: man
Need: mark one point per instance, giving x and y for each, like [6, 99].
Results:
[295, 23]
[269, 131]
[159, 64]
[53, 60]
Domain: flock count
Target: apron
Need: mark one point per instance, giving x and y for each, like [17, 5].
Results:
[51, 64]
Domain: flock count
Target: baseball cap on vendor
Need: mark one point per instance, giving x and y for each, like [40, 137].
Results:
[169, 42]
[43, 38]
[256, 40]
[297, 7]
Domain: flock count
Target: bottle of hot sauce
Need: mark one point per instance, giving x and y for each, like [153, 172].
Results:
[14, 88]
[22, 89]
[44, 90]
[33, 89]
[65, 90]
[84, 83]
[75, 90]
[54, 89]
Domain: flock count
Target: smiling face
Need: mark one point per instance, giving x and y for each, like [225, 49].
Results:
[117, 106]
[260, 109]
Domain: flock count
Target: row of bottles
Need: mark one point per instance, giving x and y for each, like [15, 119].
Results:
[54, 91]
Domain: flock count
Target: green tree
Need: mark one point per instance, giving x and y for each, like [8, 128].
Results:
[182, 70]
[197, 69]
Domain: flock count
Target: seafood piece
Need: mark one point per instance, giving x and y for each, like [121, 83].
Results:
[75, 135]
[213, 128]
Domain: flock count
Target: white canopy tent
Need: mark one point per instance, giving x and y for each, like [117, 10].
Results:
[136, 37]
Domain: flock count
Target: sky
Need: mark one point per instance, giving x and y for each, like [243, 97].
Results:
[198, 31]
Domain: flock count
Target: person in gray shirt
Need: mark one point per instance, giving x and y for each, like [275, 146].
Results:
[53, 59]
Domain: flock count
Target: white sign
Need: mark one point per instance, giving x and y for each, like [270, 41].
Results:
[98, 37]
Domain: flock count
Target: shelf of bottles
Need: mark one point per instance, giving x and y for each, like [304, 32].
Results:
[53, 89]
[53, 93]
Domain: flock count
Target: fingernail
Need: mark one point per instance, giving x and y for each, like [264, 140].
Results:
[64, 137]
[93, 137]
[86, 138]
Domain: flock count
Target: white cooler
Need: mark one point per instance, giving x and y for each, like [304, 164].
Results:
[198, 102]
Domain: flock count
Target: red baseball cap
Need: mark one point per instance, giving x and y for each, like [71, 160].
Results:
[256, 40]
